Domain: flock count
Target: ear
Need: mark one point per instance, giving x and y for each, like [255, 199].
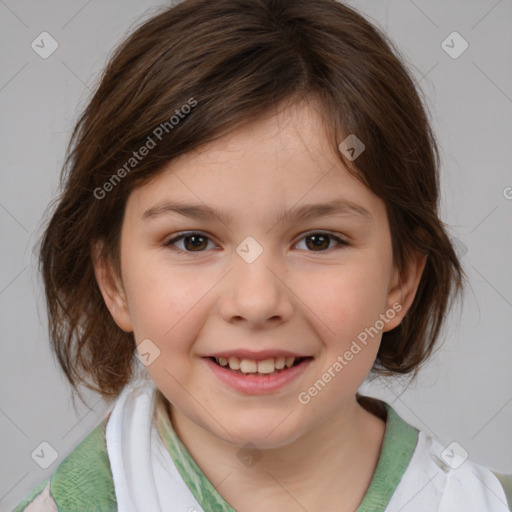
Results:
[111, 288]
[403, 287]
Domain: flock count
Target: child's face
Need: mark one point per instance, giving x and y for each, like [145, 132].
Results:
[304, 296]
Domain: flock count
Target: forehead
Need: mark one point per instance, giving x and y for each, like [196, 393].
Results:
[260, 169]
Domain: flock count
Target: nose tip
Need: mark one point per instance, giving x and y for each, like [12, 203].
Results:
[256, 293]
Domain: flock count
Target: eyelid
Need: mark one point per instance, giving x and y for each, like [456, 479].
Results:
[323, 232]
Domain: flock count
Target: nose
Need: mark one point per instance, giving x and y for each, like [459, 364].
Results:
[256, 293]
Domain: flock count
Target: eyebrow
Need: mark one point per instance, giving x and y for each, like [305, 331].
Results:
[305, 212]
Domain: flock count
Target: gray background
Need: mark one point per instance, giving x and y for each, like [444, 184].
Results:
[463, 394]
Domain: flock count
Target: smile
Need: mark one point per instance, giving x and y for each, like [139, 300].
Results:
[269, 366]
[259, 374]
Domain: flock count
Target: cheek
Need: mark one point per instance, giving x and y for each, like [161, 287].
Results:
[348, 304]
[166, 308]
[164, 303]
[349, 299]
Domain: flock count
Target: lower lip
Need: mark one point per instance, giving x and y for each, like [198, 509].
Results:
[257, 384]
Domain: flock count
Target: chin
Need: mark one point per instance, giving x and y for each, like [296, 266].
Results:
[265, 431]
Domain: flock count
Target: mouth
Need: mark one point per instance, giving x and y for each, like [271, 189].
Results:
[262, 367]
[258, 373]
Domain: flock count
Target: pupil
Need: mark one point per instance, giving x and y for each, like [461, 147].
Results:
[196, 241]
[319, 240]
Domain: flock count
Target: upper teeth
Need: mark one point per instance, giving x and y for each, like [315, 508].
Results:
[251, 366]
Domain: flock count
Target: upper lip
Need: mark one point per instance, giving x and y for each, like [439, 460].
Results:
[256, 355]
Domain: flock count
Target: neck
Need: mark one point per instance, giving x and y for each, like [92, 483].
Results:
[339, 456]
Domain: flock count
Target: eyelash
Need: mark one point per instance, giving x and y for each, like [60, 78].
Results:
[170, 244]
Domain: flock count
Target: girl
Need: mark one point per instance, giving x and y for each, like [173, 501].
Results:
[248, 229]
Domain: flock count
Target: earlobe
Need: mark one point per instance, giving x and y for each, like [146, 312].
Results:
[111, 288]
[404, 286]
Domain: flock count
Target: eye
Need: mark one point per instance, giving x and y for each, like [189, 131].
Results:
[321, 240]
[317, 241]
[193, 242]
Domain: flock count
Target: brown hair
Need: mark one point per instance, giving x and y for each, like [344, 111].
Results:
[234, 61]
